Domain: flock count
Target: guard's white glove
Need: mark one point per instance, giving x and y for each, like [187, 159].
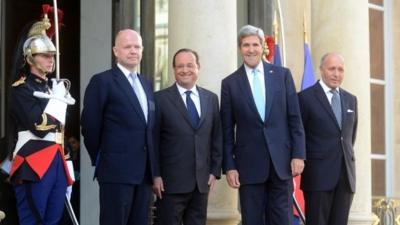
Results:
[59, 98]
[2, 215]
[68, 193]
[58, 88]
[70, 167]
[58, 91]
[5, 166]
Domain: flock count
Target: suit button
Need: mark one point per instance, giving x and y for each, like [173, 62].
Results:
[341, 138]
[144, 148]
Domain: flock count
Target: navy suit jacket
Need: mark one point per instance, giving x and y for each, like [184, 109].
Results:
[116, 135]
[327, 145]
[280, 138]
[187, 155]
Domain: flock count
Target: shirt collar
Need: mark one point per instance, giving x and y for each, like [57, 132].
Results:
[182, 90]
[259, 68]
[125, 71]
[326, 88]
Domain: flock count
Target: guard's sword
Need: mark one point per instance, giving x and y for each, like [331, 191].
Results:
[55, 8]
[57, 39]
[298, 209]
[71, 211]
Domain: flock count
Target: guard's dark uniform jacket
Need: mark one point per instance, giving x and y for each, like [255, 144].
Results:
[39, 134]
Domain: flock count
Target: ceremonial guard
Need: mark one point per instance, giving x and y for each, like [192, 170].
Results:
[39, 171]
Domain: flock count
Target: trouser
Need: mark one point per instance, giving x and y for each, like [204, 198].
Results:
[42, 202]
[330, 207]
[187, 208]
[268, 203]
[124, 204]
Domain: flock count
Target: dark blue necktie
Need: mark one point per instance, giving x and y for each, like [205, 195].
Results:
[191, 108]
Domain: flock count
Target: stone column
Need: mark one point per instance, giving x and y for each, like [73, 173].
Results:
[396, 93]
[342, 26]
[208, 27]
[96, 54]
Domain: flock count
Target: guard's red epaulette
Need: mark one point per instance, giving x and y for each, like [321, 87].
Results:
[19, 82]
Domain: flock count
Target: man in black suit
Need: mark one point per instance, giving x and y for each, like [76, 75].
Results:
[189, 145]
[329, 116]
[263, 133]
[117, 125]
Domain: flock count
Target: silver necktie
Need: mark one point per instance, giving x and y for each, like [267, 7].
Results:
[336, 107]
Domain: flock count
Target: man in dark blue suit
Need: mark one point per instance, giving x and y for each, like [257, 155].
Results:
[188, 138]
[329, 116]
[263, 134]
[117, 122]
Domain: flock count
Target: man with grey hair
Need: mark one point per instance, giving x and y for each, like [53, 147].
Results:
[329, 115]
[263, 133]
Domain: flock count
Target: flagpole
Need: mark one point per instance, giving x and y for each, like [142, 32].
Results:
[282, 32]
[275, 28]
[57, 39]
[308, 74]
[305, 27]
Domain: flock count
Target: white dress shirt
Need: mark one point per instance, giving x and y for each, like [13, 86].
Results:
[327, 90]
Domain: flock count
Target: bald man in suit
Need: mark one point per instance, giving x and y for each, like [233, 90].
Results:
[117, 126]
[329, 115]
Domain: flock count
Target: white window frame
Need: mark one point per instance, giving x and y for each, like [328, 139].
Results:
[388, 94]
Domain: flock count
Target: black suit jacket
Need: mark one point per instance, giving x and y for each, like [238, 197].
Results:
[326, 144]
[187, 155]
[116, 135]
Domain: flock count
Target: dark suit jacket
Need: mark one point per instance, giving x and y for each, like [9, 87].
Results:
[116, 135]
[281, 135]
[187, 155]
[326, 143]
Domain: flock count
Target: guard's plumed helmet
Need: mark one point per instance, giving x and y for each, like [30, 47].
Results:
[38, 41]
[38, 44]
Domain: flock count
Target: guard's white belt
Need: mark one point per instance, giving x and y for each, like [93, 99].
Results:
[25, 136]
